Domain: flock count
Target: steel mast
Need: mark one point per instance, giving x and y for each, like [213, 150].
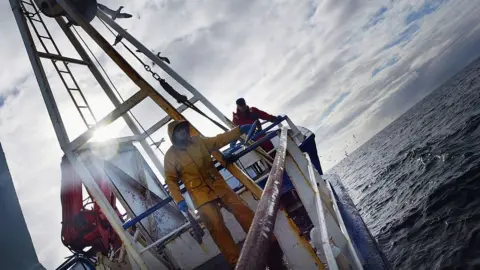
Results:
[61, 63]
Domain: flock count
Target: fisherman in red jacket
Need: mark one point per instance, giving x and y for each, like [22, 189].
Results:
[247, 115]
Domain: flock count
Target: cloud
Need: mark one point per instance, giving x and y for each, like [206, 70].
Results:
[403, 38]
[333, 105]
[422, 66]
[337, 67]
[387, 64]
[9, 94]
[427, 8]
[376, 18]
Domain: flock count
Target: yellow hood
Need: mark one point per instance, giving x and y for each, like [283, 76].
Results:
[171, 127]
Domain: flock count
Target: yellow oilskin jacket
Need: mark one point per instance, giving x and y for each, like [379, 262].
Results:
[194, 167]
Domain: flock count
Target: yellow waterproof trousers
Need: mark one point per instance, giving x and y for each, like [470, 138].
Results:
[213, 220]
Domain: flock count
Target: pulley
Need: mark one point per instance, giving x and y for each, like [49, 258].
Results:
[86, 8]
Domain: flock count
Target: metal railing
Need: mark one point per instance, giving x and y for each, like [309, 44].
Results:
[323, 230]
[232, 155]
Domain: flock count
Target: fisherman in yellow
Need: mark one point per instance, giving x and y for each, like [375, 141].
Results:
[189, 160]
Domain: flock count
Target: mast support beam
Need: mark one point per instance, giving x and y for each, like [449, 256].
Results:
[159, 62]
[111, 117]
[61, 58]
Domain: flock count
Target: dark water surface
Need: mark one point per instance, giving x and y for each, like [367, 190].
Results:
[417, 182]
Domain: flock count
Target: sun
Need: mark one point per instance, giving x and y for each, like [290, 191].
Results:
[101, 135]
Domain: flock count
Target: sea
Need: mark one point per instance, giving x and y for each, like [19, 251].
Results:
[417, 182]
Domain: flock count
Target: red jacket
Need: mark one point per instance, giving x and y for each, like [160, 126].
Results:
[252, 114]
[248, 117]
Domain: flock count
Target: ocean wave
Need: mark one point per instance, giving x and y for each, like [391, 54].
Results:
[416, 183]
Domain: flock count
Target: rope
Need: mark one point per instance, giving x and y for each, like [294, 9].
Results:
[113, 86]
[167, 87]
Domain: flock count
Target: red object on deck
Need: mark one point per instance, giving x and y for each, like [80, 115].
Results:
[82, 227]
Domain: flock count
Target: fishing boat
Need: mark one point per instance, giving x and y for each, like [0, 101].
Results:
[116, 211]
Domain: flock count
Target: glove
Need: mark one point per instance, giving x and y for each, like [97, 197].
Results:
[279, 118]
[182, 205]
[244, 129]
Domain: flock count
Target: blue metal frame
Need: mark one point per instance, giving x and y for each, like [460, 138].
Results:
[197, 230]
[250, 132]
[254, 136]
[234, 157]
[273, 124]
[73, 260]
[145, 214]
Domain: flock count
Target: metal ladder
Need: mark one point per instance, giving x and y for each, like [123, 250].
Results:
[60, 63]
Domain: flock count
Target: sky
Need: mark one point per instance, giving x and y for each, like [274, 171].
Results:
[344, 69]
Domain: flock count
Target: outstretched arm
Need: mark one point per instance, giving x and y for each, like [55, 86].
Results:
[171, 178]
[263, 115]
[217, 142]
